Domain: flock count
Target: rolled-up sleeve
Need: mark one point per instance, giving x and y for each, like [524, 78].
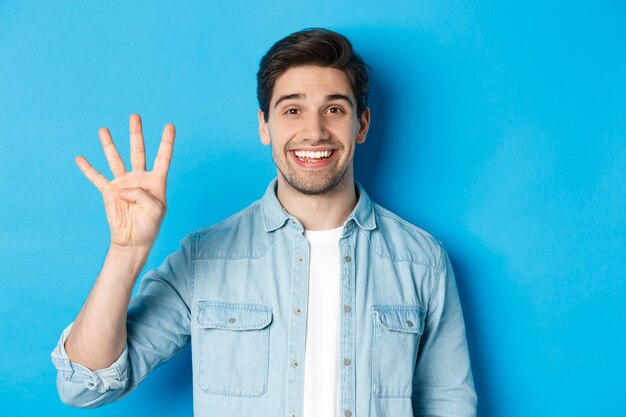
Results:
[81, 387]
[157, 325]
[443, 385]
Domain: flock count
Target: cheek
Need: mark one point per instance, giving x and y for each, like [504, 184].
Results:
[345, 127]
[283, 132]
[346, 134]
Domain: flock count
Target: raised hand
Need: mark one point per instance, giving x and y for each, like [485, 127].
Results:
[134, 201]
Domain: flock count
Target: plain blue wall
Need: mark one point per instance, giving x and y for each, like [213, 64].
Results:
[497, 126]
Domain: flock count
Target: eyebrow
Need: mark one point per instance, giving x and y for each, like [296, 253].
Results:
[302, 96]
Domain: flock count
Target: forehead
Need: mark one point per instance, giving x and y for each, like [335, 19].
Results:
[312, 81]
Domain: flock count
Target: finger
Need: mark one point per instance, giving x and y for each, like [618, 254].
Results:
[92, 174]
[166, 149]
[142, 198]
[110, 151]
[137, 149]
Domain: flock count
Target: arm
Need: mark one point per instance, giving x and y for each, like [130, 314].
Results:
[98, 335]
[157, 327]
[442, 384]
[135, 205]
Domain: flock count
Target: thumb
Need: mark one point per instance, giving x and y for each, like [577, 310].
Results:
[142, 198]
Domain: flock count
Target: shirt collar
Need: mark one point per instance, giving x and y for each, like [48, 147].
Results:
[363, 213]
[275, 216]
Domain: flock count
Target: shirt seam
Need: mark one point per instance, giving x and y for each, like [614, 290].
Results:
[383, 212]
[381, 255]
[437, 278]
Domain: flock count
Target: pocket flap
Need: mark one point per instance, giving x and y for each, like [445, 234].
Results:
[233, 316]
[408, 319]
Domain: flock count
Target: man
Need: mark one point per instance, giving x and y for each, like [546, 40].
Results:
[313, 301]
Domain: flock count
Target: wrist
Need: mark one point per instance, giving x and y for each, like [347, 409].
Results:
[130, 251]
[132, 258]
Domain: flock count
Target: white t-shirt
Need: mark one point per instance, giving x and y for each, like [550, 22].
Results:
[321, 357]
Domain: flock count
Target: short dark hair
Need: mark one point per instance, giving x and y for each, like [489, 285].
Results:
[313, 46]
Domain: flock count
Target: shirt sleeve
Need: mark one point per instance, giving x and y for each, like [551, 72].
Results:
[76, 382]
[443, 385]
[157, 325]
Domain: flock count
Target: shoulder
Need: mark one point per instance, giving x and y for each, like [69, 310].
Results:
[239, 236]
[401, 241]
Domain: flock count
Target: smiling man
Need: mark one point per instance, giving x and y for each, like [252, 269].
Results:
[313, 301]
[313, 127]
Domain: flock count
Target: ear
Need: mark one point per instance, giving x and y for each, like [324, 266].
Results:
[263, 129]
[364, 125]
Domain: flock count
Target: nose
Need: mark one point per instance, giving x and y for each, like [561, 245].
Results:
[315, 128]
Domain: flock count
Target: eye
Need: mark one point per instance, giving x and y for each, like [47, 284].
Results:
[292, 111]
[334, 110]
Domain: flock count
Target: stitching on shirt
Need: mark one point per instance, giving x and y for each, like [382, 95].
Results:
[267, 311]
[437, 277]
[231, 257]
[192, 259]
[225, 225]
[237, 256]
[382, 212]
[241, 306]
[391, 258]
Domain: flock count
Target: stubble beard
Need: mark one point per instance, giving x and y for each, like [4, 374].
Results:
[312, 185]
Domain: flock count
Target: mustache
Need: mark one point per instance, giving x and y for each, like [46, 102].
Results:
[318, 143]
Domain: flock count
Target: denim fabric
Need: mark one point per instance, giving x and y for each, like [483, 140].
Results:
[238, 291]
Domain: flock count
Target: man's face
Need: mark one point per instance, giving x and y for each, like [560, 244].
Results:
[313, 128]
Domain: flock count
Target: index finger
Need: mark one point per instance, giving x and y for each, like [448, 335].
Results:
[92, 174]
[166, 149]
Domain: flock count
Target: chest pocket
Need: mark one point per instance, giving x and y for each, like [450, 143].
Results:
[234, 342]
[397, 332]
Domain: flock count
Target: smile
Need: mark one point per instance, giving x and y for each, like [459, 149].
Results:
[314, 159]
[312, 155]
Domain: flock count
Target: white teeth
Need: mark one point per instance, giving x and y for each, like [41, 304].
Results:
[313, 155]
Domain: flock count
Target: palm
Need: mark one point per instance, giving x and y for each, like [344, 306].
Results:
[134, 218]
[130, 223]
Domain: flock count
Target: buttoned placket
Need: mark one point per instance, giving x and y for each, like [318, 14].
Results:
[348, 335]
[297, 321]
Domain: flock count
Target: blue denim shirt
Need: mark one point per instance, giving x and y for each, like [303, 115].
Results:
[238, 291]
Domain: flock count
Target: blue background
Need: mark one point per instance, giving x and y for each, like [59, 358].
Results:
[498, 126]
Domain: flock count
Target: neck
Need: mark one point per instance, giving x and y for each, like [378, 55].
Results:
[319, 212]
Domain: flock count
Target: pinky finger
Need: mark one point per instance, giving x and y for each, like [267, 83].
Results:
[92, 174]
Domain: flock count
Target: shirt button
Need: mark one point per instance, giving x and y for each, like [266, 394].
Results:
[299, 260]
[294, 364]
[347, 309]
[347, 413]
[292, 414]
[347, 258]
[297, 311]
[409, 323]
[232, 320]
[346, 362]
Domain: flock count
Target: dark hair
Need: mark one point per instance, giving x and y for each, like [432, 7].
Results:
[314, 46]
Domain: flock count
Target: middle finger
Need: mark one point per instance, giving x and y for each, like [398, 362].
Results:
[137, 149]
